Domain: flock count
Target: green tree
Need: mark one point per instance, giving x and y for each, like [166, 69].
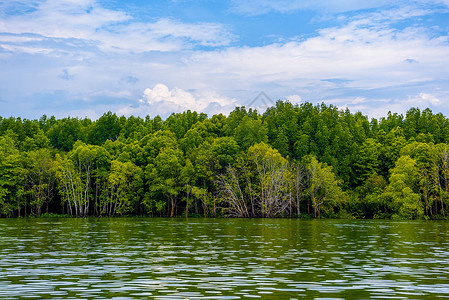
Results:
[250, 131]
[441, 166]
[41, 177]
[401, 195]
[65, 132]
[12, 174]
[392, 144]
[368, 202]
[107, 127]
[187, 181]
[225, 151]
[124, 188]
[163, 179]
[76, 175]
[272, 179]
[134, 128]
[425, 156]
[323, 189]
[367, 161]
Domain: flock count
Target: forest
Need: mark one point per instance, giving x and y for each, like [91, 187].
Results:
[294, 161]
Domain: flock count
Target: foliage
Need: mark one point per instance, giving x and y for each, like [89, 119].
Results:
[306, 161]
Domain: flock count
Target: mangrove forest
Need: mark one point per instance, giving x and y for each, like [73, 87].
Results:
[294, 161]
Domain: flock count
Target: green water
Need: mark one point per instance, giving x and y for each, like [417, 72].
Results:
[222, 259]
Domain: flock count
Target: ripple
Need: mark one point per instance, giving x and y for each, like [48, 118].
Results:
[223, 259]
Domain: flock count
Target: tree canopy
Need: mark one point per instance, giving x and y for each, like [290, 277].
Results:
[290, 161]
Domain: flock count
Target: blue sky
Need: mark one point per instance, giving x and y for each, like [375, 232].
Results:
[85, 57]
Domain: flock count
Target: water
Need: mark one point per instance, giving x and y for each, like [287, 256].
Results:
[222, 259]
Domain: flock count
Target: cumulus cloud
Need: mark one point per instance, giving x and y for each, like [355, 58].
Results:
[294, 98]
[424, 99]
[163, 101]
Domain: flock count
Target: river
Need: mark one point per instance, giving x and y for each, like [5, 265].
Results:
[141, 258]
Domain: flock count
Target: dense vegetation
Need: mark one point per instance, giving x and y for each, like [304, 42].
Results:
[291, 161]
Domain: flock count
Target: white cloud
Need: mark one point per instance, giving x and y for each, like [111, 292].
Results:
[423, 99]
[362, 55]
[163, 101]
[378, 108]
[366, 58]
[163, 35]
[294, 98]
[104, 28]
[207, 34]
[259, 7]
[99, 55]
[62, 19]
[113, 93]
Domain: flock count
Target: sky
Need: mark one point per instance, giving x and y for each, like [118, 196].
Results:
[82, 58]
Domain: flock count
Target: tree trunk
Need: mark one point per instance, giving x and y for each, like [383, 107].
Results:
[172, 212]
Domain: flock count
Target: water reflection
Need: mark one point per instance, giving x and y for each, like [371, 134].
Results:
[222, 259]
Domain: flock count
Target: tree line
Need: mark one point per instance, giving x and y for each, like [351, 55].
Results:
[290, 161]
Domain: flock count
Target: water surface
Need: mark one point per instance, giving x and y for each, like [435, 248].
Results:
[132, 258]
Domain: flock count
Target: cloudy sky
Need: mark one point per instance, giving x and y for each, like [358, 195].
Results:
[137, 57]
